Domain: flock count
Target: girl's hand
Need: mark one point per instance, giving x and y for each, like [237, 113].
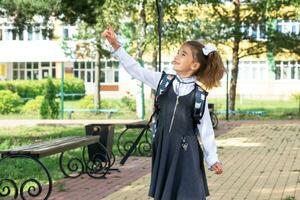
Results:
[217, 168]
[110, 35]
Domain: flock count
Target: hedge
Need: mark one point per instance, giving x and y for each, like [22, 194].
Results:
[33, 88]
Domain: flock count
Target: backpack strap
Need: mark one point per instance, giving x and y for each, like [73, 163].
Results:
[164, 82]
[200, 101]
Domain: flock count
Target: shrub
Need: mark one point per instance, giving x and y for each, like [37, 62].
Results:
[49, 108]
[9, 102]
[33, 88]
[33, 106]
[87, 102]
[129, 103]
[126, 103]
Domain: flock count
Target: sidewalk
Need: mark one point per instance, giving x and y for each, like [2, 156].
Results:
[261, 161]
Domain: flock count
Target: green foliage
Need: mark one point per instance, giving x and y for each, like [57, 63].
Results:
[23, 13]
[33, 88]
[124, 104]
[86, 103]
[33, 106]
[87, 11]
[129, 103]
[49, 108]
[9, 102]
[296, 96]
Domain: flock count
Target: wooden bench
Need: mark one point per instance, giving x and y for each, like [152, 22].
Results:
[109, 112]
[95, 167]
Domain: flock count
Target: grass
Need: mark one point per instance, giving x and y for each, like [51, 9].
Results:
[275, 109]
[22, 169]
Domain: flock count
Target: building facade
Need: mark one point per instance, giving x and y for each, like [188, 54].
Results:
[31, 55]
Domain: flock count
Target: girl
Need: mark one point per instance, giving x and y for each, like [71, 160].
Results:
[178, 171]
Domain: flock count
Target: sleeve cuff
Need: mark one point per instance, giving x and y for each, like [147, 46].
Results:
[118, 53]
[210, 162]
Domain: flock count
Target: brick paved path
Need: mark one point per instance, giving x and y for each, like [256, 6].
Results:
[260, 162]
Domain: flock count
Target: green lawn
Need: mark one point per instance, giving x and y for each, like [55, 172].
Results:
[275, 109]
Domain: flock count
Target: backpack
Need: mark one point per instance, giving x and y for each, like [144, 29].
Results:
[200, 99]
[164, 82]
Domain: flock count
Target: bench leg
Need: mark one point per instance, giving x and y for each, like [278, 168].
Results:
[109, 115]
[96, 167]
[142, 145]
[10, 187]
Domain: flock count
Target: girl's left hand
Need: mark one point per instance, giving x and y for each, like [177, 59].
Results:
[217, 168]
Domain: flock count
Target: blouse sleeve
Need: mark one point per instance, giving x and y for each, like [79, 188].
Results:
[208, 138]
[149, 77]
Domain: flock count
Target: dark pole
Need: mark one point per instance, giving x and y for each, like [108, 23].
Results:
[159, 26]
[227, 77]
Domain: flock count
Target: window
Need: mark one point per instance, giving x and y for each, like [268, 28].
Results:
[254, 31]
[37, 33]
[86, 71]
[44, 34]
[14, 34]
[289, 70]
[285, 70]
[8, 34]
[102, 76]
[277, 71]
[65, 33]
[29, 30]
[262, 31]
[116, 76]
[21, 35]
[279, 26]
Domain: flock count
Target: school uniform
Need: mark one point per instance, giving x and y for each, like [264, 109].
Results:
[178, 171]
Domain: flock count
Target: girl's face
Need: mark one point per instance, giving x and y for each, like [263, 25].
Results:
[184, 63]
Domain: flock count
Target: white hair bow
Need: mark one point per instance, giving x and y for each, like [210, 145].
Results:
[207, 49]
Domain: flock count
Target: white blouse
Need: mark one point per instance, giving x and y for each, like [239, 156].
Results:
[151, 78]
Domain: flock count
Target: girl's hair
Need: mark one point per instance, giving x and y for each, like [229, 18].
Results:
[211, 66]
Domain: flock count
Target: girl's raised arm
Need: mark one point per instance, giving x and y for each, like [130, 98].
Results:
[149, 77]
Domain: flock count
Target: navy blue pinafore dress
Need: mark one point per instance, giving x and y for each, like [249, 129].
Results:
[178, 171]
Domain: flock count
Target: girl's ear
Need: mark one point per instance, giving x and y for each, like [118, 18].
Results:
[195, 66]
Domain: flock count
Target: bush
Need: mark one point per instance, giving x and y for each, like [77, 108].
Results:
[33, 88]
[49, 107]
[9, 102]
[33, 106]
[124, 104]
[87, 102]
[129, 103]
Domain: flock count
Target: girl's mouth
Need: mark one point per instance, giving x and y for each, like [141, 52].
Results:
[174, 62]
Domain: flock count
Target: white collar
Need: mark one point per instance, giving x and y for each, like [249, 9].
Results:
[186, 80]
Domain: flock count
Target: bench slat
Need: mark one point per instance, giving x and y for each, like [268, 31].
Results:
[52, 147]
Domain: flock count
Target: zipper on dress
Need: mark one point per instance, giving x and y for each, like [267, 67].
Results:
[173, 116]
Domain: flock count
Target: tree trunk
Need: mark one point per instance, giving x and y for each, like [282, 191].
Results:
[140, 101]
[235, 57]
[234, 76]
[97, 101]
[154, 66]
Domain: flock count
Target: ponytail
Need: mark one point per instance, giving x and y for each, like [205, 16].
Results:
[211, 68]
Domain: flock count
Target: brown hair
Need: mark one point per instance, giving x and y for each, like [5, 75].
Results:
[211, 66]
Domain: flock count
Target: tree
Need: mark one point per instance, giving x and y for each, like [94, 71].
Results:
[23, 13]
[227, 24]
